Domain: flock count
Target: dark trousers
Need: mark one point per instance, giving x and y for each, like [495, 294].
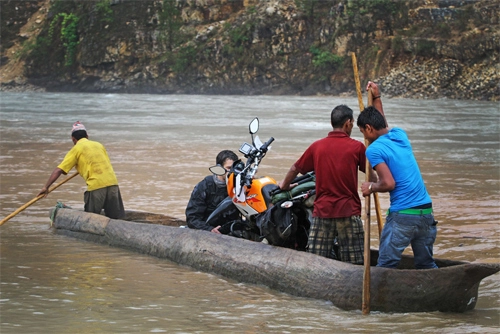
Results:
[108, 199]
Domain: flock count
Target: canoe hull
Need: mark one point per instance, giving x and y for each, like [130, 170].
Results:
[452, 288]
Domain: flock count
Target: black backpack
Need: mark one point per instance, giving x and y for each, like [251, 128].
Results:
[277, 225]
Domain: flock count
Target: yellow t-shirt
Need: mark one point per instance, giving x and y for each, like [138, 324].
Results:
[92, 163]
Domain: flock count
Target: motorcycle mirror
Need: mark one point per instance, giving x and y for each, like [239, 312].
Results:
[217, 170]
[253, 127]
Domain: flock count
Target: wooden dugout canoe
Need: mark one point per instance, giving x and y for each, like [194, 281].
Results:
[451, 288]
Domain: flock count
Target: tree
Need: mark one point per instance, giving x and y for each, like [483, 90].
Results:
[170, 23]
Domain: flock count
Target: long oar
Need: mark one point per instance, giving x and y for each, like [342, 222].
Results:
[365, 307]
[37, 198]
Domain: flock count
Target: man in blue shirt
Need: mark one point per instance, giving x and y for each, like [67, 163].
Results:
[410, 219]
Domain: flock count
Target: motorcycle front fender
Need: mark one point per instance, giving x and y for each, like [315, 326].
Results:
[218, 216]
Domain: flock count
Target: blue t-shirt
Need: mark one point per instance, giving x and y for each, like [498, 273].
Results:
[395, 150]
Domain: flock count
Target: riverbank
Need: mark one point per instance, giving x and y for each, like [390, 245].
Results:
[421, 49]
[428, 79]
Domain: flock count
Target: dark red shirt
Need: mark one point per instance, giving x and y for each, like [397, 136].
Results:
[335, 160]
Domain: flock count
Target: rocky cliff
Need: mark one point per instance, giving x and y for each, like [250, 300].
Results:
[416, 49]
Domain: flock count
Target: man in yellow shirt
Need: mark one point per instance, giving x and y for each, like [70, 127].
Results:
[92, 163]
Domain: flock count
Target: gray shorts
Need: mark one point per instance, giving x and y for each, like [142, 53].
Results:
[108, 199]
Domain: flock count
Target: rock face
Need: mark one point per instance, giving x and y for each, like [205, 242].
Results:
[416, 49]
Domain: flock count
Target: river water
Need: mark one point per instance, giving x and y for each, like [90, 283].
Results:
[160, 147]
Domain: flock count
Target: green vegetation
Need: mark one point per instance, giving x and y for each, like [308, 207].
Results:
[104, 11]
[378, 8]
[463, 17]
[179, 55]
[397, 44]
[425, 47]
[27, 48]
[240, 38]
[184, 57]
[412, 31]
[170, 24]
[69, 35]
[307, 7]
[251, 10]
[371, 53]
[325, 60]
[443, 30]
[241, 35]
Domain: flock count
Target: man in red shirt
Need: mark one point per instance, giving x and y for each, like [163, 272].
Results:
[337, 207]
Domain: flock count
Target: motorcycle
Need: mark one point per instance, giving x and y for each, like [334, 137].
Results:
[268, 214]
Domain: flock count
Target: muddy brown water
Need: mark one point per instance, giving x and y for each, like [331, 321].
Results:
[161, 146]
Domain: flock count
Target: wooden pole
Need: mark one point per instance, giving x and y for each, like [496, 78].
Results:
[365, 307]
[36, 199]
[375, 195]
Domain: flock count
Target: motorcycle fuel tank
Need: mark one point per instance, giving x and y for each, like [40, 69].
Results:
[255, 196]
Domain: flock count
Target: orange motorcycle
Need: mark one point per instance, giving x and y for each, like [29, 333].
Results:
[268, 214]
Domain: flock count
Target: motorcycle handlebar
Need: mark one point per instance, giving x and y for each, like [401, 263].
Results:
[275, 191]
[299, 180]
[255, 156]
[263, 148]
[304, 178]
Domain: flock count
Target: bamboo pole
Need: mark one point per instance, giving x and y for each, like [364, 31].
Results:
[36, 199]
[365, 303]
[375, 195]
